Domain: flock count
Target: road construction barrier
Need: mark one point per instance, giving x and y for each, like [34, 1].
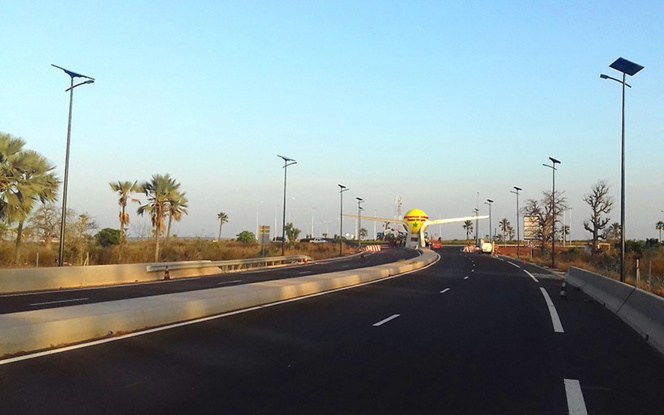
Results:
[372, 248]
[642, 310]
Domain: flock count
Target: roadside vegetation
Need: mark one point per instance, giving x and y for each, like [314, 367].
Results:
[644, 259]
[91, 251]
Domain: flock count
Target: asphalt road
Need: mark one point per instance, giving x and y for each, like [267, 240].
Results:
[12, 303]
[468, 335]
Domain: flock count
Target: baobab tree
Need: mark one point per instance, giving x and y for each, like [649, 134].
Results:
[600, 205]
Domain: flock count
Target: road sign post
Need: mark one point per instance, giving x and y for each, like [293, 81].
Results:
[263, 237]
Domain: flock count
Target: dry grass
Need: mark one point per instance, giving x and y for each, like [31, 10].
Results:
[651, 265]
[173, 250]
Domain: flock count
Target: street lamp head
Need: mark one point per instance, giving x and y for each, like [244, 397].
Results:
[341, 186]
[489, 200]
[603, 76]
[554, 161]
[286, 159]
[359, 199]
[626, 67]
[89, 81]
[517, 188]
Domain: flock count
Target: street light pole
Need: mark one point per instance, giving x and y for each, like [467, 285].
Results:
[359, 220]
[490, 202]
[627, 68]
[342, 189]
[477, 212]
[89, 80]
[516, 192]
[287, 162]
[553, 211]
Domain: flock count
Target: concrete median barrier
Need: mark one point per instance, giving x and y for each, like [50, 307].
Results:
[611, 293]
[43, 329]
[54, 278]
[643, 311]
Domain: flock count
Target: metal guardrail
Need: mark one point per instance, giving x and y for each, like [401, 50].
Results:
[234, 265]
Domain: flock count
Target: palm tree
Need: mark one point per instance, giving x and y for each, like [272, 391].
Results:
[10, 150]
[659, 226]
[223, 218]
[613, 232]
[468, 226]
[25, 177]
[124, 190]
[292, 233]
[158, 191]
[565, 231]
[177, 205]
[504, 225]
[510, 232]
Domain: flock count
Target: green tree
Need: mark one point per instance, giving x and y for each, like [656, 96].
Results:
[504, 225]
[124, 189]
[158, 191]
[10, 149]
[510, 233]
[177, 206]
[292, 233]
[223, 218]
[25, 178]
[108, 237]
[246, 237]
[468, 227]
[659, 226]
[613, 232]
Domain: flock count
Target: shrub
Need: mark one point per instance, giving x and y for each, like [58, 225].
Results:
[108, 237]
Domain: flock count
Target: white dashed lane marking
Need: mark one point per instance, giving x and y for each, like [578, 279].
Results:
[61, 301]
[576, 405]
[390, 318]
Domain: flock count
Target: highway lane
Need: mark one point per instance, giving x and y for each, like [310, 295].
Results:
[11, 303]
[468, 335]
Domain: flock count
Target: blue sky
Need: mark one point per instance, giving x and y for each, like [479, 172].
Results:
[432, 101]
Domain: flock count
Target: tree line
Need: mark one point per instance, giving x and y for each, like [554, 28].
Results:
[29, 188]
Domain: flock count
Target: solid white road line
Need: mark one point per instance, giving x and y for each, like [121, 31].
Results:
[513, 264]
[557, 325]
[390, 318]
[466, 277]
[61, 301]
[228, 282]
[531, 276]
[305, 272]
[575, 403]
[445, 290]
